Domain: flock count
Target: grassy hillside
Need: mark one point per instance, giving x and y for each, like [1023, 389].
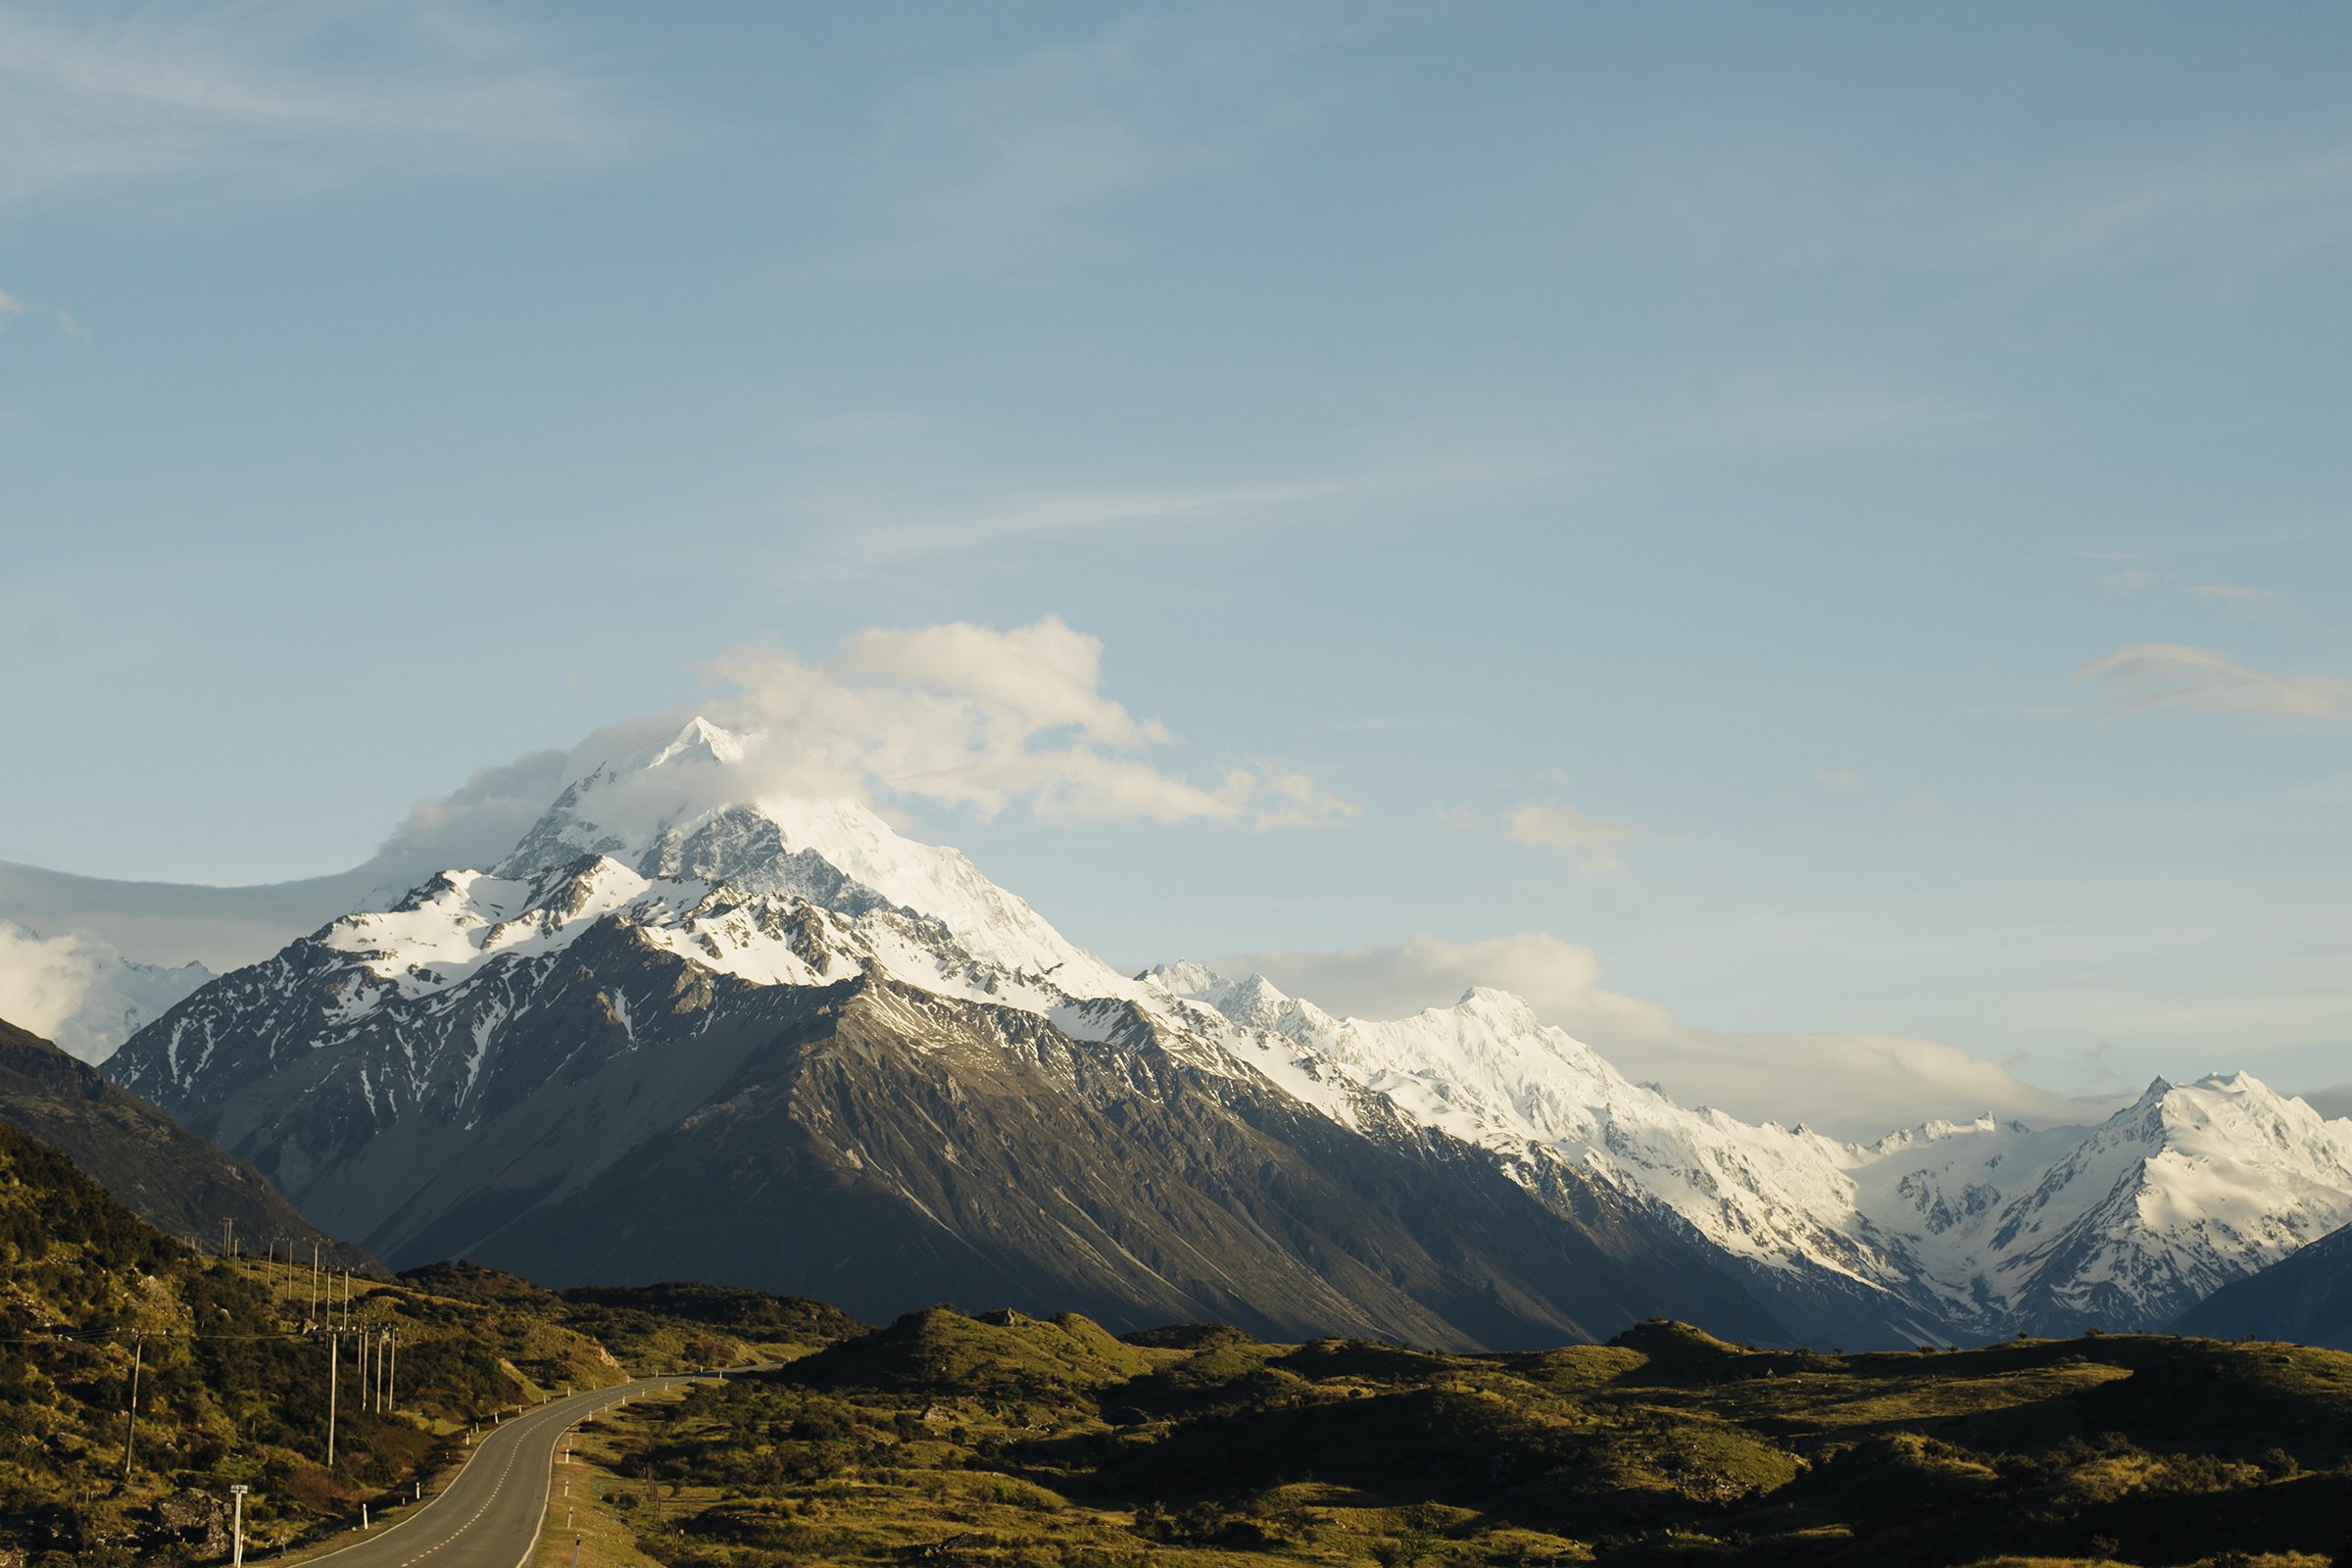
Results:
[1011, 1441]
[231, 1358]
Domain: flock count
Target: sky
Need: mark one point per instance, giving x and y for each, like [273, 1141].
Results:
[1832, 522]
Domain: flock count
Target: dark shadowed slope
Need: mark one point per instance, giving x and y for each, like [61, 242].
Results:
[2305, 1296]
[178, 1182]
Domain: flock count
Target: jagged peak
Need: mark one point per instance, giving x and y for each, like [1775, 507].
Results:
[1184, 978]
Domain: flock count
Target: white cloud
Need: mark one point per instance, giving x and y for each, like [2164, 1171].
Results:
[1853, 1085]
[10, 305]
[247, 93]
[2174, 675]
[77, 990]
[42, 979]
[476, 823]
[1839, 778]
[969, 716]
[1590, 843]
[2255, 604]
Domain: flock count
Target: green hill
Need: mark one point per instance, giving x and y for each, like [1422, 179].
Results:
[1002, 1440]
[231, 1385]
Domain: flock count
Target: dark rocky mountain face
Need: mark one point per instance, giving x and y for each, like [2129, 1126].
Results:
[924, 1149]
[617, 1113]
[178, 1182]
[2305, 1296]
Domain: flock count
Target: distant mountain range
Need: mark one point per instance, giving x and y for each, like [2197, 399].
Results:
[684, 1029]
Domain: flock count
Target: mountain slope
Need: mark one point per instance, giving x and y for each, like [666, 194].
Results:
[1115, 1178]
[2305, 1297]
[175, 1181]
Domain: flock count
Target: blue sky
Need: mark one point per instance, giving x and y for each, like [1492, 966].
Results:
[1740, 428]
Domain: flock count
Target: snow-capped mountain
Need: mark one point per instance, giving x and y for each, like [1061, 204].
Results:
[776, 1043]
[670, 810]
[1974, 1229]
[681, 993]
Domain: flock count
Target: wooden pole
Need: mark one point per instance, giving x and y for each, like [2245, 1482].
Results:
[334, 1365]
[130, 1422]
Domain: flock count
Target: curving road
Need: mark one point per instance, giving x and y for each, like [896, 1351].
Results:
[488, 1516]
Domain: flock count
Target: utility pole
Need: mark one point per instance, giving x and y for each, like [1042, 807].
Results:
[237, 1531]
[314, 1317]
[334, 1364]
[130, 1422]
[391, 1374]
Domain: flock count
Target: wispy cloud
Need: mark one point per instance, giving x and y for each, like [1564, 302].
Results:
[863, 526]
[1839, 778]
[2147, 676]
[1816, 408]
[276, 93]
[1590, 844]
[2290, 195]
[1080, 511]
[2254, 603]
[2132, 580]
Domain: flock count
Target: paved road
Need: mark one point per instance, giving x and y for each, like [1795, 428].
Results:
[489, 1516]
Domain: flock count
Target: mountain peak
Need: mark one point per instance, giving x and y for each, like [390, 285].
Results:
[1503, 1008]
[701, 741]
